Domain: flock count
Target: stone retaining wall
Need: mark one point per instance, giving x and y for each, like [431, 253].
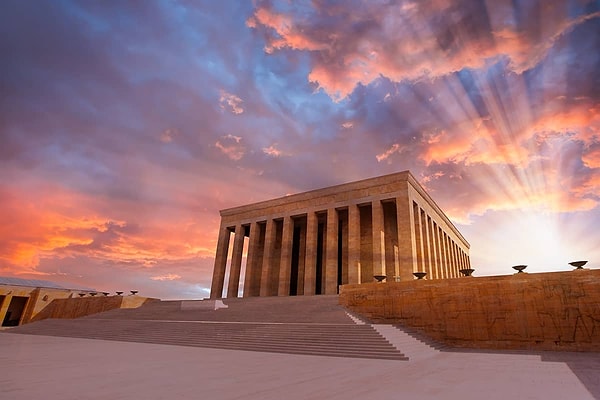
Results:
[80, 307]
[544, 311]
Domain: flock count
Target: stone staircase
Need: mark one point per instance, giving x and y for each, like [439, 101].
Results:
[413, 347]
[309, 325]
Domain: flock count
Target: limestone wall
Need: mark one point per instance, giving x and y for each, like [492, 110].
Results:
[37, 299]
[79, 307]
[545, 311]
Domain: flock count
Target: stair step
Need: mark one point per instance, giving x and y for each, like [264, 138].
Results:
[309, 325]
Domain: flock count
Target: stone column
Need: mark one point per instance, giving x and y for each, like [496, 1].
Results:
[457, 259]
[453, 258]
[427, 250]
[450, 261]
[236, 262]
[310, 262]
[216, 287]
[378, 240]
[285, 265]
[435, 255]
[407, 249]
[353, 243]
[442, 251]
[267, 263]
[419, 238]
[250, 286]
[4, 307]
[331, 252]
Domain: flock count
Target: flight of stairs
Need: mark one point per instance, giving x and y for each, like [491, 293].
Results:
[412, 347]
[309, 325]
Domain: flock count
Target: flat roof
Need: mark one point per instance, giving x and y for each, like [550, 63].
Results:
[5, 280]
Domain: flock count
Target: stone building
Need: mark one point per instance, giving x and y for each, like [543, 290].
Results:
[383, 228]
[21, 300]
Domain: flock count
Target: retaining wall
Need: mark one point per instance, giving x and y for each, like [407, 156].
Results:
[542, 311]
[80, 307]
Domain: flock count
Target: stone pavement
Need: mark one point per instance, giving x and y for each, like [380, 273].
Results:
[36, 367]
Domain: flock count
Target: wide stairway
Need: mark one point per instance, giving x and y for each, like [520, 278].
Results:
[310, 325]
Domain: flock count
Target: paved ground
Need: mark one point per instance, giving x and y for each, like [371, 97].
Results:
[44, 367]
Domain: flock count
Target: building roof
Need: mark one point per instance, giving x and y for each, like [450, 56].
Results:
[4, 280]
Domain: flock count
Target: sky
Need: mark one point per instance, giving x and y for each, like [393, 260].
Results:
[125, 126]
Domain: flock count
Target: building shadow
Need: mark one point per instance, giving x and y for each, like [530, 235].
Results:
[585, 365]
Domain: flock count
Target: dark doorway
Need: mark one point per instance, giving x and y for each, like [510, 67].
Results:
[295, 261]
[15, 311]
[340, 254]
[319, 269]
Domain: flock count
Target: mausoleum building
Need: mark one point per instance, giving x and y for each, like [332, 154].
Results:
[383, 228]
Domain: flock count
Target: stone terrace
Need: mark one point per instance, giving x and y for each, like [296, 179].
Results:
[314, 325]
[190, 350]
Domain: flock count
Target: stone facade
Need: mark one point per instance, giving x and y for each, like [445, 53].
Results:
[21, 304]
[544, 311]
[313, 242]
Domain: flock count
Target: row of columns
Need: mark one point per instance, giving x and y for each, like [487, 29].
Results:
[437, 253]
[418, 244]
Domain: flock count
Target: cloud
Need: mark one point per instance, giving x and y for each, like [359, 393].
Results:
[286, 34]
[168, 135]
[231, 100]
[359, 43]
[386, 154]
[168, 277]
[231, 146]
[272, 151]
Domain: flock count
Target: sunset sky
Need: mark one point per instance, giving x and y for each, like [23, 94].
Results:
[126, 126]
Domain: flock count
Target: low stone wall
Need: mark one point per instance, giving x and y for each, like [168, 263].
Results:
[80, 307]
[545, 311]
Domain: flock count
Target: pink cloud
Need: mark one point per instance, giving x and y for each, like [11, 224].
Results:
[233, 102]
[406, 41]
[272, 151]
[230, 146]
[395, 148]
[168, 135]
[286, 33]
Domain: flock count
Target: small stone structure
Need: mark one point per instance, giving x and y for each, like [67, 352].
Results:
[22, 299]
[27, 300]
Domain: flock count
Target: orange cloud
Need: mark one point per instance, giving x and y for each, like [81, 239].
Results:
[287, 34]
[386, 154]
[407, 44]
[58, 223]
[579, 118]
[591, 157]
